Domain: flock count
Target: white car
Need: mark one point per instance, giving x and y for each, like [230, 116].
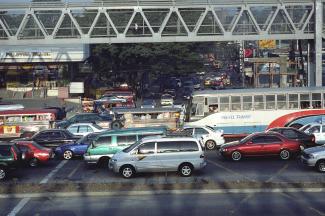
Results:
[82, 129]
[166, 100]
[211, 138]
[317, 129]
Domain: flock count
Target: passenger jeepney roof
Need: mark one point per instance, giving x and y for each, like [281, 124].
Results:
[146, 110]
[239, 91]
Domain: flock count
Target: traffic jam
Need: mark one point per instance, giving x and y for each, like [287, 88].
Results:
[116, 138]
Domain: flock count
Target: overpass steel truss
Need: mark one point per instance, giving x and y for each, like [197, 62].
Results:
[156, 21]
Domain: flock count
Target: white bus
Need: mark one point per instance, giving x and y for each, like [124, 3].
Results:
[243, 111]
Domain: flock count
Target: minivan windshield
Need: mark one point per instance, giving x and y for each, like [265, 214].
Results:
[128, 149]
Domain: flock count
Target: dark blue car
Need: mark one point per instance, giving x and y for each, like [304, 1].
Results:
[78, 148]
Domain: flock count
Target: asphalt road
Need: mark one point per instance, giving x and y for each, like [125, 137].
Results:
[218, 170]
[274, 203]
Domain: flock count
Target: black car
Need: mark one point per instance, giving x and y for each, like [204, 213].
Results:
[53, 137]
[306, 140]
[103, 120]
[10, 158]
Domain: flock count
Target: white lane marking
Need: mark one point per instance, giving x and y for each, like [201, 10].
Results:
[163, 192]
[25, 200]
[230, 171]
[53, 172]
[19, 206]
[74, 170]
[280, 171]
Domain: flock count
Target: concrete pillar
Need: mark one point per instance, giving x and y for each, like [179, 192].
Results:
[318, 43]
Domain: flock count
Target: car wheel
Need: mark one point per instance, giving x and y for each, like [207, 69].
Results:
[127, 171]
[33, 162]
[67, 155]
[210, 144]
[236, 156]
[3, 173]
[321, 166]
[116, 125]
[284, 154]
[185, 169]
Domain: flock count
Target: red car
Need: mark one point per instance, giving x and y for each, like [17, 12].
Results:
[261, 144]
[35, 153]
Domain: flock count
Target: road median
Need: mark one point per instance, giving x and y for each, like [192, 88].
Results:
[126, 188]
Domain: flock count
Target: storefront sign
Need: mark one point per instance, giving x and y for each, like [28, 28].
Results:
[17, 54]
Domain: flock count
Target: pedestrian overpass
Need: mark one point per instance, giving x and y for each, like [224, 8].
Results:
[151, 21]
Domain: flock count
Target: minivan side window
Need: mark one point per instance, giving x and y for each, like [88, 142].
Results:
[104, 140]
[126, 140]
[188, 146]
[167, 147]
[147, 148]
[5, 151]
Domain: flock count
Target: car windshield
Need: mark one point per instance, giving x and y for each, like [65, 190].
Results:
[128, 149]
[245, 139]
[211, 128]
[147, 102]
[97, 127]
[166, 97]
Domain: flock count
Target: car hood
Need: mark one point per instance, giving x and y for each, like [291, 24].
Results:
[315, 149]
[230, 144]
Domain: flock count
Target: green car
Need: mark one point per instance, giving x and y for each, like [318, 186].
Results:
[106, 144]
[10, 158]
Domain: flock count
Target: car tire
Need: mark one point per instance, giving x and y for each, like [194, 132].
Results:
[236, 156]
[185, 169]
[127, 171]
[116, 125]
[3, 173]
[320, 166]
[285, 154]
[33, 162]
[67, 154]
[210, 145]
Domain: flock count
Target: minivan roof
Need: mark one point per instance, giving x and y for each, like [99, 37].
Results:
[168, 138]
[135, 130]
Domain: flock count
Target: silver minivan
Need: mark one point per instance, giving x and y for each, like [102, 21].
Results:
[157, 154]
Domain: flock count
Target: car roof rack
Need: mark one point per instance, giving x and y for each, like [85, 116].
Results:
[171, 133]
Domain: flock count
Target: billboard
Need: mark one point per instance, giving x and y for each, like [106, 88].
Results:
[267, 44]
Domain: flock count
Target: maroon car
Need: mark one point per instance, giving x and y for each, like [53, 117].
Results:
[261, 144]
[36, 153]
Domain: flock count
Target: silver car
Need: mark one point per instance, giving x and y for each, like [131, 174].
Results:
[314, 157]
[156, 154]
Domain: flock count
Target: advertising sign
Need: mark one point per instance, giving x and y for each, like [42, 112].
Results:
[267, 44]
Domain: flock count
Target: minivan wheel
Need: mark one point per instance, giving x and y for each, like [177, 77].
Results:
[284, 154]
[127, 171]
[236, 156]
[321, 166]
[210, 144]
[185, 169]
[67, 155]
[33, 162]
[3, 173]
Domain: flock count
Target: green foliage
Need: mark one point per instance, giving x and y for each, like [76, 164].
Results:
[157, 58]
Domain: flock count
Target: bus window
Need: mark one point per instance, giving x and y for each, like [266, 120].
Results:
[224, 103]
[304, 101]
[213, 104]
[316, 100]
[293, 101]
[199, 110]
[281, 101]
[258, 102]
[270, 102]
[247, 103]
[235, 103]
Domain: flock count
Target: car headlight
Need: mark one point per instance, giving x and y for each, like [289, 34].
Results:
[223, 149]
[311, 156]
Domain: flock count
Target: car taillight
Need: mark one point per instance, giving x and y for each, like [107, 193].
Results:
[15, 154]
[313, 138]
[202, 156]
